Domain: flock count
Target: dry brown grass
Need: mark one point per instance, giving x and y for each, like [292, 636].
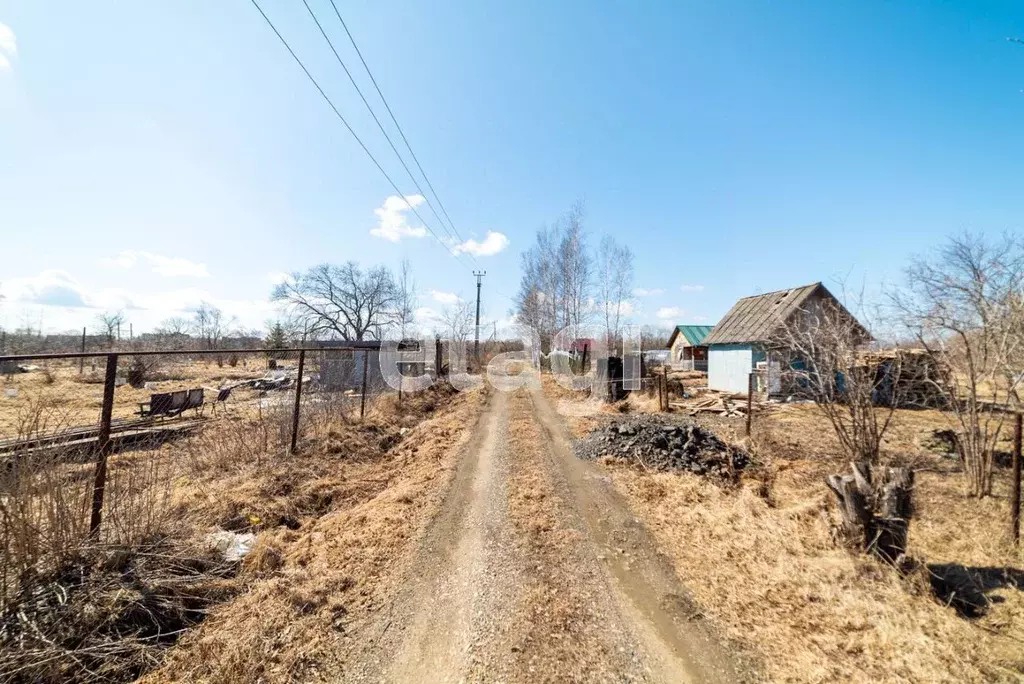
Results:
[761, 562]
[310, 589]
[78, 608]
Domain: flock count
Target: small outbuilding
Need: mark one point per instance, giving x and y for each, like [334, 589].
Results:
[741, 342]
[687, 348]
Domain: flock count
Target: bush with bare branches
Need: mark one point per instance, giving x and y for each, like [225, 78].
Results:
[821, 349]
[964, 305]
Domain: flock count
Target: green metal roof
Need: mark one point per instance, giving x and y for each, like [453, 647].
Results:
[694, 334]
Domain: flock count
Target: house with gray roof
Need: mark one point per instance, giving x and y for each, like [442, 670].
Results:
[742, 340]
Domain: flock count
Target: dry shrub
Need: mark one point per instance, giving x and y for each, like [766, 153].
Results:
[42, 413]
[78, 607]
[44, 509]
[108, 618]
[138, 502]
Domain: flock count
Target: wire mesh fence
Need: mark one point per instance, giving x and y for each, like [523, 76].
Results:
[114, 465]
[73, 410]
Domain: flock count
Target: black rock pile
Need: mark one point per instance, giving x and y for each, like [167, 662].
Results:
[663, 445]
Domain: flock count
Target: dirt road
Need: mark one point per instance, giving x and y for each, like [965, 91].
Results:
[534, 570]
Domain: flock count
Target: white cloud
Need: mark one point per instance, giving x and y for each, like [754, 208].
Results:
[626, 308]
[691, 288]
[58, 301]
[8, 47]
[642, 292]
[49, 288]
[393, 224]
[278, 277]
[444, 297]
[426, 316]
[491, 245]
[159, 264]
[667, 312]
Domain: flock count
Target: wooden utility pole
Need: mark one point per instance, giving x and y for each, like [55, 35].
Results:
[1015, 496]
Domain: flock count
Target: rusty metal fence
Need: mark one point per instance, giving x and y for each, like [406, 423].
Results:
[152, 394]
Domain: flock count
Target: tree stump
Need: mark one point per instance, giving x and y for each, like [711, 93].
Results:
[875, 514]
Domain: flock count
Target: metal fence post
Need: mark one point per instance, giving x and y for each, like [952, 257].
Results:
[81, 361]
[437, 357]
[668, 407]
[298, 397]
[100, 481]
[362, 397]
[1015, 498]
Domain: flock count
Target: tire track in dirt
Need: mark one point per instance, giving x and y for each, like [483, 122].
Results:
[562, 626]
[644, 584]
[462, 576]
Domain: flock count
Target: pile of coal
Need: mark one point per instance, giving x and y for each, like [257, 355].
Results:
[664, 445]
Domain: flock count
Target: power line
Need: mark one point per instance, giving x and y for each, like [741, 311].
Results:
[337, 113]
[373, 114]
[395, 120]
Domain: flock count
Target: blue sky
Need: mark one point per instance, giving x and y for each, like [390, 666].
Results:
[156, 153]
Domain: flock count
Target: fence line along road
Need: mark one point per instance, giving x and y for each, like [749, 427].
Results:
[104, 432]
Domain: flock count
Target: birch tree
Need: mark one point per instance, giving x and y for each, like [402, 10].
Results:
[555, 289]
[614, 285]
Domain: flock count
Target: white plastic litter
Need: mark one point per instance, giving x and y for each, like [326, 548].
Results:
[11, 393]
[233, 546]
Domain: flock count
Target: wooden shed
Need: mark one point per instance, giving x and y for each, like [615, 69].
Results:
[740, 343]
[687, 348]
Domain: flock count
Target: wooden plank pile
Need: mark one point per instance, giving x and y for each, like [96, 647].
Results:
[728, 405]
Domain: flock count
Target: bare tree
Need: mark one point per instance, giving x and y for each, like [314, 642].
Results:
[538, 304]
[575, 267]
[109, 324]
[406, 287]
[555, 290]
[174, 332]
[963, 305]
[615, 285]
[173, 326]
[342, 300]
[458, 324]
[822, 349]
[209, 324]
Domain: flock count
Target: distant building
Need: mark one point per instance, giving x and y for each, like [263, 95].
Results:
[687, 348]
[342, 368]
[741, 342]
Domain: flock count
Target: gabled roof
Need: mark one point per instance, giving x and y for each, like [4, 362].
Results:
[757, 318]
[693, 334]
